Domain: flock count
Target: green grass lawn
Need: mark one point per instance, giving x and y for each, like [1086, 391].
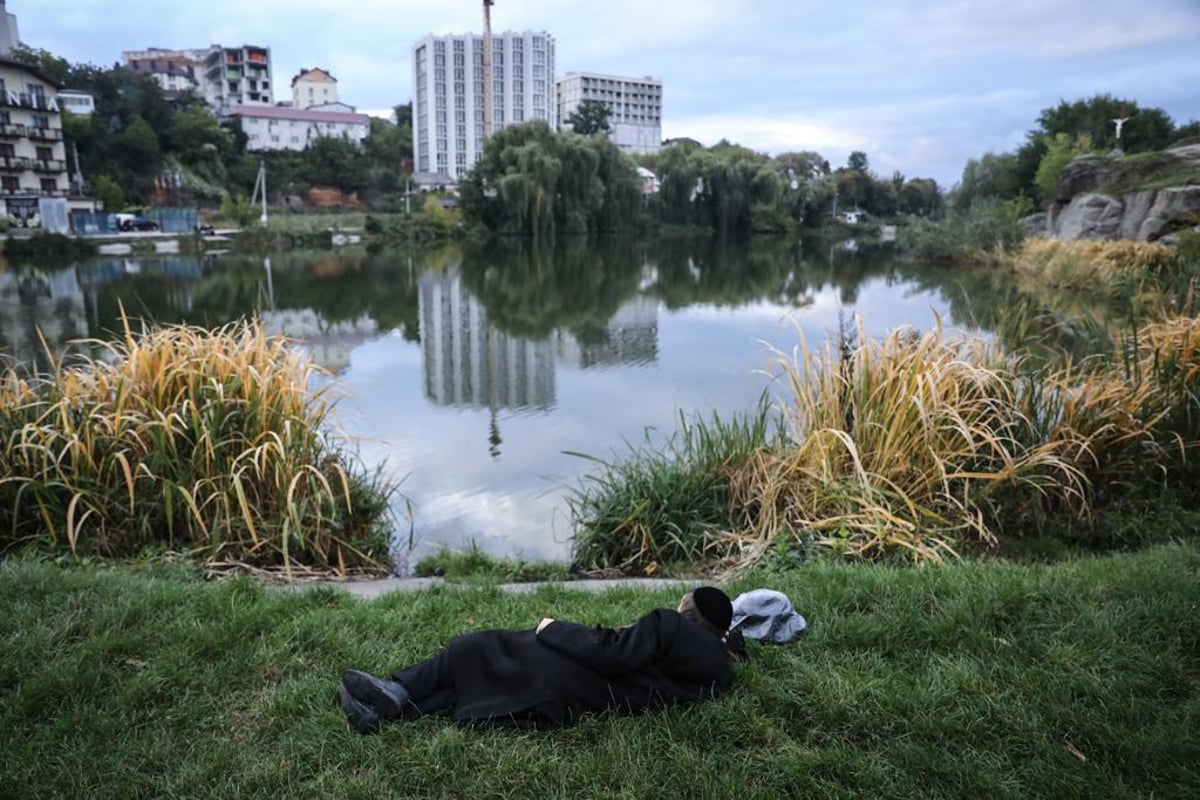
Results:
[1077, 679]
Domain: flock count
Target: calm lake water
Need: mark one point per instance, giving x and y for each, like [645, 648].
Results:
[472, 374]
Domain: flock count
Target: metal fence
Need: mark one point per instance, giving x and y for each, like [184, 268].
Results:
[169, 220]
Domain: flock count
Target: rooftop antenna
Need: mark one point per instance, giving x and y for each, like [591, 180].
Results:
[487, 68]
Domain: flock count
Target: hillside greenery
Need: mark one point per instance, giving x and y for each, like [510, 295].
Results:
[1062, 132]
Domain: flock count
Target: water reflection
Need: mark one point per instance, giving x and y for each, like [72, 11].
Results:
[36, 306]
[474, 371]
[469, 363]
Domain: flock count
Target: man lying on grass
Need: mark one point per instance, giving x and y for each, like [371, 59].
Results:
[553, 674]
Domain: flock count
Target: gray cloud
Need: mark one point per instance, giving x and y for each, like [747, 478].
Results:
[920, 86]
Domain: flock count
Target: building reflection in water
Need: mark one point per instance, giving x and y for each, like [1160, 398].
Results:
[328, 344]
[469, 364]
[37, 305]
[629, 338]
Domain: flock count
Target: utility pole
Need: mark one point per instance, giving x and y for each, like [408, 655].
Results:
[260, 185]
[487, 68]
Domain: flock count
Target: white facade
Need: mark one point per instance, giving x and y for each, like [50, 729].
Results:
[314, 87]
[634, 106]
[448, 106]
[81, 104]
[282, 128]
[33, 158]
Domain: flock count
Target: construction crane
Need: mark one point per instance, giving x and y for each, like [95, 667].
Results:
[487, 68]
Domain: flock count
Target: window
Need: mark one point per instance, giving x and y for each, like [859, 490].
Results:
[45, 154]
[49, 185]
[41, 122]
[10, 183]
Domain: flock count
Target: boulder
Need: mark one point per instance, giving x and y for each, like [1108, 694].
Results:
[1137, 207]
[1081, 176]
[1036, 225]
[1169, 205]
[1088, 216]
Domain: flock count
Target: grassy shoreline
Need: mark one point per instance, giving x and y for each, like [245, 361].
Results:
[1078, 679]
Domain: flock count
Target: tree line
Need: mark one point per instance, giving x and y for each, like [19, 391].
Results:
[1029, 174]
[534, 181]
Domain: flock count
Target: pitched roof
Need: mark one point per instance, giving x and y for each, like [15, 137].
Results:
[301, 115]
[314, 74]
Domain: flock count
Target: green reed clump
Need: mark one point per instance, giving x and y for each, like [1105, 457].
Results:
[208, 441]
[667, 502]
[980, 235]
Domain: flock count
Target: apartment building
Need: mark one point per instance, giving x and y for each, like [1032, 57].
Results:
[634, 106]
[237, 76]
[448, 106]
[314, 87]
[282, 128]
[175, 71]
[33, 164]
[225, 77]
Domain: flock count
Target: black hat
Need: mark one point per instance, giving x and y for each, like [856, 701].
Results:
[714, 605]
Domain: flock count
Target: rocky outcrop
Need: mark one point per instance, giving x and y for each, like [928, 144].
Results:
[1081, 176]
[1089, 216]
[1036, 225]
[1083, 210]
[1163, 206]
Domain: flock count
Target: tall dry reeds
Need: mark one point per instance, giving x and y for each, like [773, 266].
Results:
[214, 442]
[901, 446]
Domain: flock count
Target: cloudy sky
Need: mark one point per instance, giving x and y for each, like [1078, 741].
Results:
[919, 85]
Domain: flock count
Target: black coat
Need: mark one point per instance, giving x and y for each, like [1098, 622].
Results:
[568, 669]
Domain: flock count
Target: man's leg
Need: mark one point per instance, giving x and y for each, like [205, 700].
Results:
[430, 684]
[424, 688]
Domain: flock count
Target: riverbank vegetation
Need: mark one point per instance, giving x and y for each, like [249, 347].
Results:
[46, 250]
[928, 447]
[209, 442]
[1074, 679]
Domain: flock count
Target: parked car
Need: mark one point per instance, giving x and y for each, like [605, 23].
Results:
[135, 222]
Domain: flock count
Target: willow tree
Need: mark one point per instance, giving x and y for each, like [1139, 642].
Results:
[534, 182]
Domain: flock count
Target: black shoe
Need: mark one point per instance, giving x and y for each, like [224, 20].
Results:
[388, 698]
[363, 718]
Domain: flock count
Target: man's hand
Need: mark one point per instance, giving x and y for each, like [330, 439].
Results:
[545, 621]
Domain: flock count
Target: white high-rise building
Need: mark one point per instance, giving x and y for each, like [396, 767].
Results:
[448, 106]
[634, 106]
[10, 36]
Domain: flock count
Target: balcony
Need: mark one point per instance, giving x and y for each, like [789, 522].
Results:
[50, 165]
[45, 134]
[18, 163]
[35, 102]
[10, 131]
